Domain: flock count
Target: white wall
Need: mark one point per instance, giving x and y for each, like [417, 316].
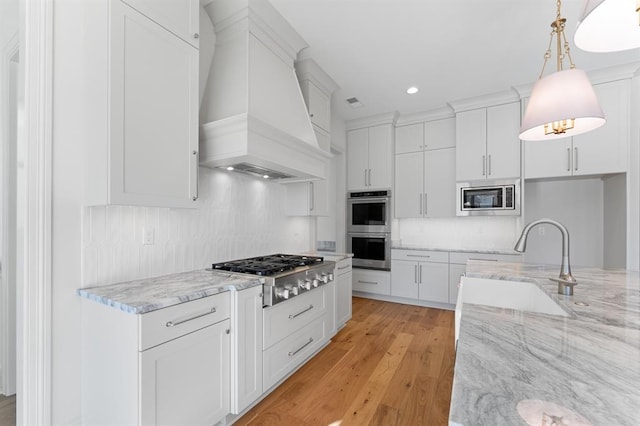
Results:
[238, 216]
[578, 205]
[460, 233]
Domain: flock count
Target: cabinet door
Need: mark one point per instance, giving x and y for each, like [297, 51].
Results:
[404, 279]
[186, 380]
[503, 143]
[247, 343]
[434, 282]
[408, 191]
[307, 198]
[319, 106]
[440, 183]
[181, 17]
[604, 150]
[471, 144]
[380, 156]
[544, 159]
[154, 114]
[357, 159]
[455, 272]
[440, 133]
[409, 138]
[343, 300]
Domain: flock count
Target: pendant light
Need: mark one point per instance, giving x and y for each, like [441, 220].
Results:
[563, 103]
[609, 26]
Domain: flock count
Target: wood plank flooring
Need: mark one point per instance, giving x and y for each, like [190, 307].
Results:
[7, 410]
[391, 365]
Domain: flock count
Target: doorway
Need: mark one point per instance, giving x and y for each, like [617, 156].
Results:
[12, 181]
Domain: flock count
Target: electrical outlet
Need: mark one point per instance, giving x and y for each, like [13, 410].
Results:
[148, 236]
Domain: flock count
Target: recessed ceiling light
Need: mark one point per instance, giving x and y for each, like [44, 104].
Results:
[230, 168]
[265, 176]
[412, 90]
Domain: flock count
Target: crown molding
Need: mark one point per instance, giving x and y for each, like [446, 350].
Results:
[425, 116]
[308, 69]
[374, 120]
[491, 99]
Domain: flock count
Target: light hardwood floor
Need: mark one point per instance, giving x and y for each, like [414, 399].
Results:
[391, 365]
[7, 410]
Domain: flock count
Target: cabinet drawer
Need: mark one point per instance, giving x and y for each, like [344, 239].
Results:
[421, 255]
[285, 356]
[343, 266]
[283, 319]
[369, 281]
[169, 323]
[462, 257]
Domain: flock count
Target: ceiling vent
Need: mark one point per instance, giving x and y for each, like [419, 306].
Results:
[354, 102]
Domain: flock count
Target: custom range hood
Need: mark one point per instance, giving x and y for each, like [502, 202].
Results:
[253, 116]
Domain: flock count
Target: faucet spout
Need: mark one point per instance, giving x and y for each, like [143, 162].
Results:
[565, 280]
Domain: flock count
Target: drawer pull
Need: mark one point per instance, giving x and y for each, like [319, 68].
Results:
[292, 316]
[367, 282]
[292, 353]
[419, 255]
[172, 323]
[344, 267]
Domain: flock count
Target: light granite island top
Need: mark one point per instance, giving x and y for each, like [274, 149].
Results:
[589, 363]
[150, 294]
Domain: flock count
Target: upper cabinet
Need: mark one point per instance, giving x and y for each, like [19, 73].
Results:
[599, 151]
[151, 152]
[488, 146]
[369, 158]
[318, 104]
[181, 17]
[425, 169]
[308, 198]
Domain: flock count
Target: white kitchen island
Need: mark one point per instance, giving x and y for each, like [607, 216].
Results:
[585, 367]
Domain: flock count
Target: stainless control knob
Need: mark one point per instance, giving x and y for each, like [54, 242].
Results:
[282, 292]
[330, 276]
[315, 283]
[295, 290]
[306, 284]
[324, 278]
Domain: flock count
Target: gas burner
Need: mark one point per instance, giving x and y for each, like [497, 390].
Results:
[285, 275]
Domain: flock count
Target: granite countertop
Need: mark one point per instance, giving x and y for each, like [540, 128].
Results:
[588, 363]
[146, 295]
[330, 255]
[397, 246]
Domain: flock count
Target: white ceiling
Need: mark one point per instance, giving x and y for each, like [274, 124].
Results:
[450, 49]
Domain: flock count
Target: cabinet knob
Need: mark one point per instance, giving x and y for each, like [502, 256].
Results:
[311, 115]
[195, 152]
[194, 198]
[196, 35]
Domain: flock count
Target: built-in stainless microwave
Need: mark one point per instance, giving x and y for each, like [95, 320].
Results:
[369, 211]
[494, 198]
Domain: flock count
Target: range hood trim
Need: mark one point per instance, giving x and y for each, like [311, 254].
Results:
[244, 138]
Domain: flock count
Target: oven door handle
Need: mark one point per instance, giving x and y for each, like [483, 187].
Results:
[367, 200]
[385, 235]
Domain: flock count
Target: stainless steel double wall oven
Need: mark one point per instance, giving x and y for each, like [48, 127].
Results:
[369, 229]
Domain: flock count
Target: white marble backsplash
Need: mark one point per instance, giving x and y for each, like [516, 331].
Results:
[238, 216]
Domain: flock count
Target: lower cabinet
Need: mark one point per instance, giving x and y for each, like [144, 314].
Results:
[295, 330]
[372, 281]
[422, 275]
[186, 380]
[246, 341]
[169, 366]
[344, 277]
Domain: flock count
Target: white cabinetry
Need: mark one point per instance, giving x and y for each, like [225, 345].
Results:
[425, 177]
[599, 151]
[246, 365]
[318, 104]
[294, 330]
[423, 275]
[487, 143]
[371, 281]
[181, 17]
[343, 276]
[308, 198]
[369, 158]
[168, 366]
[151, 157]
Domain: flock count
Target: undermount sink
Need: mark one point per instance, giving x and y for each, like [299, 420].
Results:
[517, 295]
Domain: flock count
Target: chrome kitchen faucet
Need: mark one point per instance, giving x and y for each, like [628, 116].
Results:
[565, 280]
